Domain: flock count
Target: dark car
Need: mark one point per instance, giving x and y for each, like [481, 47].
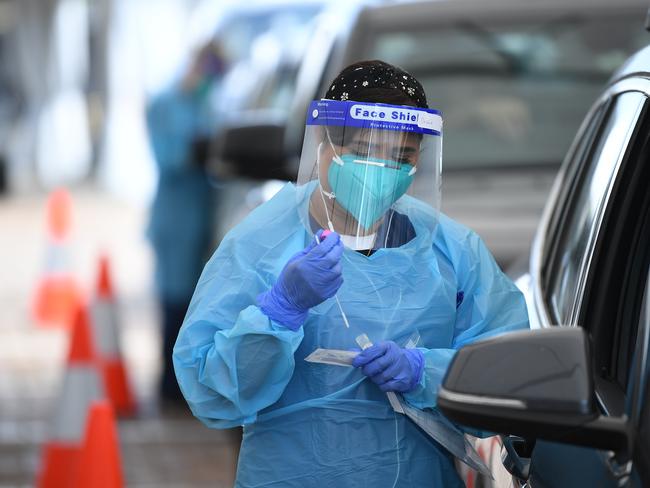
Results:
[572, 396]
[513, 79]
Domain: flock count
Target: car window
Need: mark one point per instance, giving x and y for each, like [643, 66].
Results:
[511, 94]
[581, 151]
[579, 229]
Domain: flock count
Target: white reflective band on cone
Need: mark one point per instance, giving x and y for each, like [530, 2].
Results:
[105, 325]
[81, 386]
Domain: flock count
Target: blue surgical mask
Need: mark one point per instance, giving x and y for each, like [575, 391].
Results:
[367, 188]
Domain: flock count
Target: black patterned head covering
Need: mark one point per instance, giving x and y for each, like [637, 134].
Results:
[377, 82]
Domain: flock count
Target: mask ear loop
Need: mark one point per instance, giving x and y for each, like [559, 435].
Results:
[390, 221]
[329, 195]
[337, 158]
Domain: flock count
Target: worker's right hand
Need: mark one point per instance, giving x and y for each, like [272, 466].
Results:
[310, 277]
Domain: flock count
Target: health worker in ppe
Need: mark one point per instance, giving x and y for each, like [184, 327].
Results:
[356, 247]
[181, 120]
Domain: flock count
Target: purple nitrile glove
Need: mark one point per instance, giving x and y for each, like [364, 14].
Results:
[310, 277]
[391, 367]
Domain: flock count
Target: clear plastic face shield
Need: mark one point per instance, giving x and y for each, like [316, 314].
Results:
[370, 172]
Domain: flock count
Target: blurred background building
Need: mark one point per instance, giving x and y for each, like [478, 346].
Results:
[514, 78]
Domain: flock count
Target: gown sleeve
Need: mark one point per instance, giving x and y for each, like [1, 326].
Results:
[488, 303]
[231, 360]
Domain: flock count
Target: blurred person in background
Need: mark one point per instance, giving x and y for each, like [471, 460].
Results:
[398, 268]
[181, 120]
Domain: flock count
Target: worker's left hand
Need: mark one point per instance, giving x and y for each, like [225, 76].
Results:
[391, 367]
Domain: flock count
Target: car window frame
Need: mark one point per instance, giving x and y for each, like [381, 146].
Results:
[585, 176]
[544, 250]
[615, 283]
[569, 178]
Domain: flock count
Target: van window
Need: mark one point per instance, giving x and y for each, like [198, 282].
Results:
[511, 94]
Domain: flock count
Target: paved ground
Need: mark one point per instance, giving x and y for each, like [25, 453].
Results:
[157, 450]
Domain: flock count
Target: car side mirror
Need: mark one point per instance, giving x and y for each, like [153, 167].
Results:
[255, 150]
[534, 384]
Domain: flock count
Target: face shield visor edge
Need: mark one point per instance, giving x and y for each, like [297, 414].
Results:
[371, 171]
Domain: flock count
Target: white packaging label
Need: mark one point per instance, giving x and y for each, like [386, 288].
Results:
[430, 121]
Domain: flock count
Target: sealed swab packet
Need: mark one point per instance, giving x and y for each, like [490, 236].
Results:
[335, 357]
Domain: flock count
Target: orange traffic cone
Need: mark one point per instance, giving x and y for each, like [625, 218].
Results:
[106, 329]
[99, 463]
[81, 386]
[58, 293]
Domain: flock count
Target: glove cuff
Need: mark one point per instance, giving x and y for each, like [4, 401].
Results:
[280, 310]
[416, 359]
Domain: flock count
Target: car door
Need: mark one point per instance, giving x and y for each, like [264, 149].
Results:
[592, 268]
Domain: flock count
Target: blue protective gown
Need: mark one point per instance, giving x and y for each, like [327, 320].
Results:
[182, 213]
[315, 425]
